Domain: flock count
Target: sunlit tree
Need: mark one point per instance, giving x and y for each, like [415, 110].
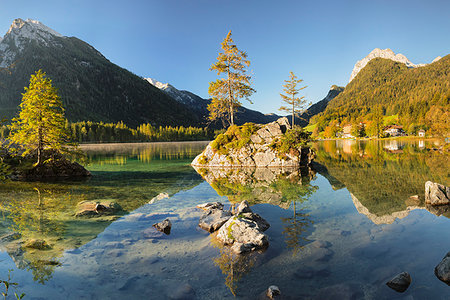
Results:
[41, 122]
[295, 105]
[226, 92]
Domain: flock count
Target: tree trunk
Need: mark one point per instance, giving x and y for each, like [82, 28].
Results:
[230, 98]
[40, 147]
[293, 111]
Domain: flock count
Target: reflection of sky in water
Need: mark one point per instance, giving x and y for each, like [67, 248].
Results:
[121, 259]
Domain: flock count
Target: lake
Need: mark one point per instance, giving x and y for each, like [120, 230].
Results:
[339, 230]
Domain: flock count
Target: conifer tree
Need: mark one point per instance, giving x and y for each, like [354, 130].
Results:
[227, 91]
[297, 105]
[41, 122]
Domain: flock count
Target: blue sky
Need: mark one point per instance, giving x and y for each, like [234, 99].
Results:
[176, 41]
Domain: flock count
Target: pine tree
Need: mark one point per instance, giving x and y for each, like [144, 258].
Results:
[297, 105]
[41, 122]
[227, 91]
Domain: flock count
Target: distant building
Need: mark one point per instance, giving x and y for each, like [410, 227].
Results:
[421, 133]
[393, 130]
[347, 132]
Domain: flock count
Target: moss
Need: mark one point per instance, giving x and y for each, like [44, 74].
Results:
[236, 137]
[230, 230]
[290, 143]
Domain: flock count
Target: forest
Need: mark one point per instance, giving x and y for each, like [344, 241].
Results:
[99, 132]
[418, 97]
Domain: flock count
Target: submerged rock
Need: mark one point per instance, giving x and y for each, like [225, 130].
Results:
[436, 194]
[213, 219]
[400, 282]
[340, 291]
[164, 226]
[37, 244]
[97, 208]
[442, 270]
[182, 292]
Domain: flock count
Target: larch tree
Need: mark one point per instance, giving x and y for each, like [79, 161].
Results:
[41, 122]
[226, 92]
[296, 105]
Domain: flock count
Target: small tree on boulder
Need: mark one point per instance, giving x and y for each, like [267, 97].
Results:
[41, 122]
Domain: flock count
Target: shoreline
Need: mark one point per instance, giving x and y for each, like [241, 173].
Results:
[90, 145]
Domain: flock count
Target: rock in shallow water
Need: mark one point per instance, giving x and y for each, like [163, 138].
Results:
[37, 244]
[436, 194]
[164, 226]
[400, 283]
[245, 232]
[442, 270]
[213, 219]
[273, 291]
[210, 205]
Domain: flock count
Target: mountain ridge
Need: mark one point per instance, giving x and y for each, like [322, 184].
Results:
[388, 54]
[91, 87]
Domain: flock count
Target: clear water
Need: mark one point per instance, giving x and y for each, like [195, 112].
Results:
[356, 200]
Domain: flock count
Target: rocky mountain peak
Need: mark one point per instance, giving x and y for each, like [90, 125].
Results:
[21, 33]
[30, 29]
[386, 53]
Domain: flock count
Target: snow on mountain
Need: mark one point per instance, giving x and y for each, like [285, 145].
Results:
[181, 96]
[386, 53]
[20, 34]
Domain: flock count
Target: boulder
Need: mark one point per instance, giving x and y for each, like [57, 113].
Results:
[210, 205]
[260, 221]
[257, 152]
[400, 282]
[273, 291]
[57, 168]
[97, 208]
[37, 244]
[243, 207]
[246, 233]
[436, 194]
[213, 219]
[442, 270]
[164, 226]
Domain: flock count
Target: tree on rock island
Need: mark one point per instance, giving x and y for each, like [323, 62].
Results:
[227, 91]
[41, 122]
[296, 105]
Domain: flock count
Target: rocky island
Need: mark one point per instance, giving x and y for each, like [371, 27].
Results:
[275, 144]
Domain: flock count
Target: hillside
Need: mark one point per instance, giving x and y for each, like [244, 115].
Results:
[91, 87]
[419, 96]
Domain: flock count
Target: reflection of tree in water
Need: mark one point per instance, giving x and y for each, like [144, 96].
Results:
[234, 266]
[34, 219]
[293, 230]
[296, 190]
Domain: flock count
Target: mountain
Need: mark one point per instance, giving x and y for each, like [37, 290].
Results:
[419, 95]
[318, 107]
[388, 54]
[199, 105]
[90, 86]
[243, 114]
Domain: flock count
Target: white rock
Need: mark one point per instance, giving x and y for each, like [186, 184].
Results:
[386, 53]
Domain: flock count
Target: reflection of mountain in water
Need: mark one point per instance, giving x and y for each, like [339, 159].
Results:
[382, 182]
[277, 186]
